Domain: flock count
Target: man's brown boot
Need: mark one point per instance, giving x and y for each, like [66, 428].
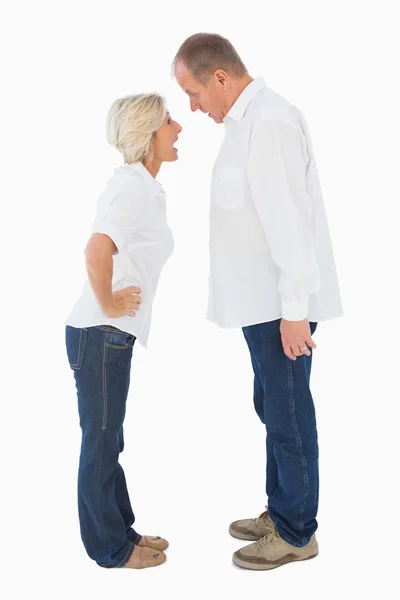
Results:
[271, 552]
[252, 529]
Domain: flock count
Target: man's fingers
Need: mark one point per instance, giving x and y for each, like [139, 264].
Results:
[296, 338]
[311, 343]
[304, 349]
[289, 352]
[287, 348]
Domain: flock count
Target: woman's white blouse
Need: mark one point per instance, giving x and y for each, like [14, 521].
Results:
[132, 212]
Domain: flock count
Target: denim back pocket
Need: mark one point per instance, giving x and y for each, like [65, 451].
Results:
[75, 340]
[115, 338]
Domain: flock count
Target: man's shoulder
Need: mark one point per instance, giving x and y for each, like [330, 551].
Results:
[269, 105]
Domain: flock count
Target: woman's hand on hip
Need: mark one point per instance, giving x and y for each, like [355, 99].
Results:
[126, 302]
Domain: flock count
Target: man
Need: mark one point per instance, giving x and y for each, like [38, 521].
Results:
[272, 273]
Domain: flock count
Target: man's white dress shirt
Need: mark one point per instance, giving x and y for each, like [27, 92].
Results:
[132, 212]
[270, 248]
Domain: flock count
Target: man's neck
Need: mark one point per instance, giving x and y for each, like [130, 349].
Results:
[238, 85]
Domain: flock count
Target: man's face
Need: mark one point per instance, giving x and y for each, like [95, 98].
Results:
[207, 98]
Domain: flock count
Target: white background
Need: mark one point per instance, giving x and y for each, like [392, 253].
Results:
[194, 455]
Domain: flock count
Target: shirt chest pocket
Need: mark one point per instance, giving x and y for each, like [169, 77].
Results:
[229, 188]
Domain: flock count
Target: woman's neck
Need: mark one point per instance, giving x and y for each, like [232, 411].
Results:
[153, 167]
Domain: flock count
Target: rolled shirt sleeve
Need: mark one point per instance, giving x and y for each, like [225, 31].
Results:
[277, 179]
[122, 218]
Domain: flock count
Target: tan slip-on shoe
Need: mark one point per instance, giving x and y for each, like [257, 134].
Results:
[154, 542]
[252, 529]
[271, 552]
[143, 557]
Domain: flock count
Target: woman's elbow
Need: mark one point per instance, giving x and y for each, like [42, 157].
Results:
[98, 249]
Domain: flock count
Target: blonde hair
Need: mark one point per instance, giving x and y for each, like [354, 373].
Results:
[131, 124]
[204, 53]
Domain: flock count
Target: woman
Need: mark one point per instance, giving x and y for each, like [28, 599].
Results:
[130, 244]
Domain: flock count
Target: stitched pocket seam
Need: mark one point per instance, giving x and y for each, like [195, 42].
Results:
[81, 350]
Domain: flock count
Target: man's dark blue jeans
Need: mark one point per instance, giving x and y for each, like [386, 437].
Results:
[101, 360]
[283, 401]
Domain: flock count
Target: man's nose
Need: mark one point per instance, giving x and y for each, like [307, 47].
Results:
[194, 105]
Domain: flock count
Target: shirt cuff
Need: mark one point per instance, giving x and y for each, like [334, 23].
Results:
[295, 310]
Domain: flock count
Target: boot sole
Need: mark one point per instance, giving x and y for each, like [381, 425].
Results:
[267, 567]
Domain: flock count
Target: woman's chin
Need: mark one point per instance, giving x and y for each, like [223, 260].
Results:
[173, 156]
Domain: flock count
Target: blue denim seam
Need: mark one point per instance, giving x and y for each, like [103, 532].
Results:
[110, 328]
[81, 352]
[285, 538]
[101, 479]
[104, 424]
[299, 443]
[117, 347]
[127, 555]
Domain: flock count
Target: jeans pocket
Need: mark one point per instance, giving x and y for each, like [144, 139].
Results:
[115, 338]
[75, 340]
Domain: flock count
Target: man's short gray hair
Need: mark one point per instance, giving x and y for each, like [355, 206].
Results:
[204, 53]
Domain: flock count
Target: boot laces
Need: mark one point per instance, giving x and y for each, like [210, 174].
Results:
[270, 539]
[260, 518]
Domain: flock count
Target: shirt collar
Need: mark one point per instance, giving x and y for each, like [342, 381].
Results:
[237, 110]
[154, 185]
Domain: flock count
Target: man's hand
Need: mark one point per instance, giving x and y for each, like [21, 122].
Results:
[296, 338]
[125, 302]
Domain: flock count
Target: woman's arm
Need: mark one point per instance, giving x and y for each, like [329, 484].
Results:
[99, 265]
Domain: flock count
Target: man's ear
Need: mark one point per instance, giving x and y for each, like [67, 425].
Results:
[222, 78]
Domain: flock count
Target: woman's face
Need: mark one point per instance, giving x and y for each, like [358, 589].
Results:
[164, 140]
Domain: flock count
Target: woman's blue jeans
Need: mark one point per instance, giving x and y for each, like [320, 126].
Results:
[101, 359]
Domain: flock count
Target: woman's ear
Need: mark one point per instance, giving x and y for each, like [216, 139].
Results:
[150, 154]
